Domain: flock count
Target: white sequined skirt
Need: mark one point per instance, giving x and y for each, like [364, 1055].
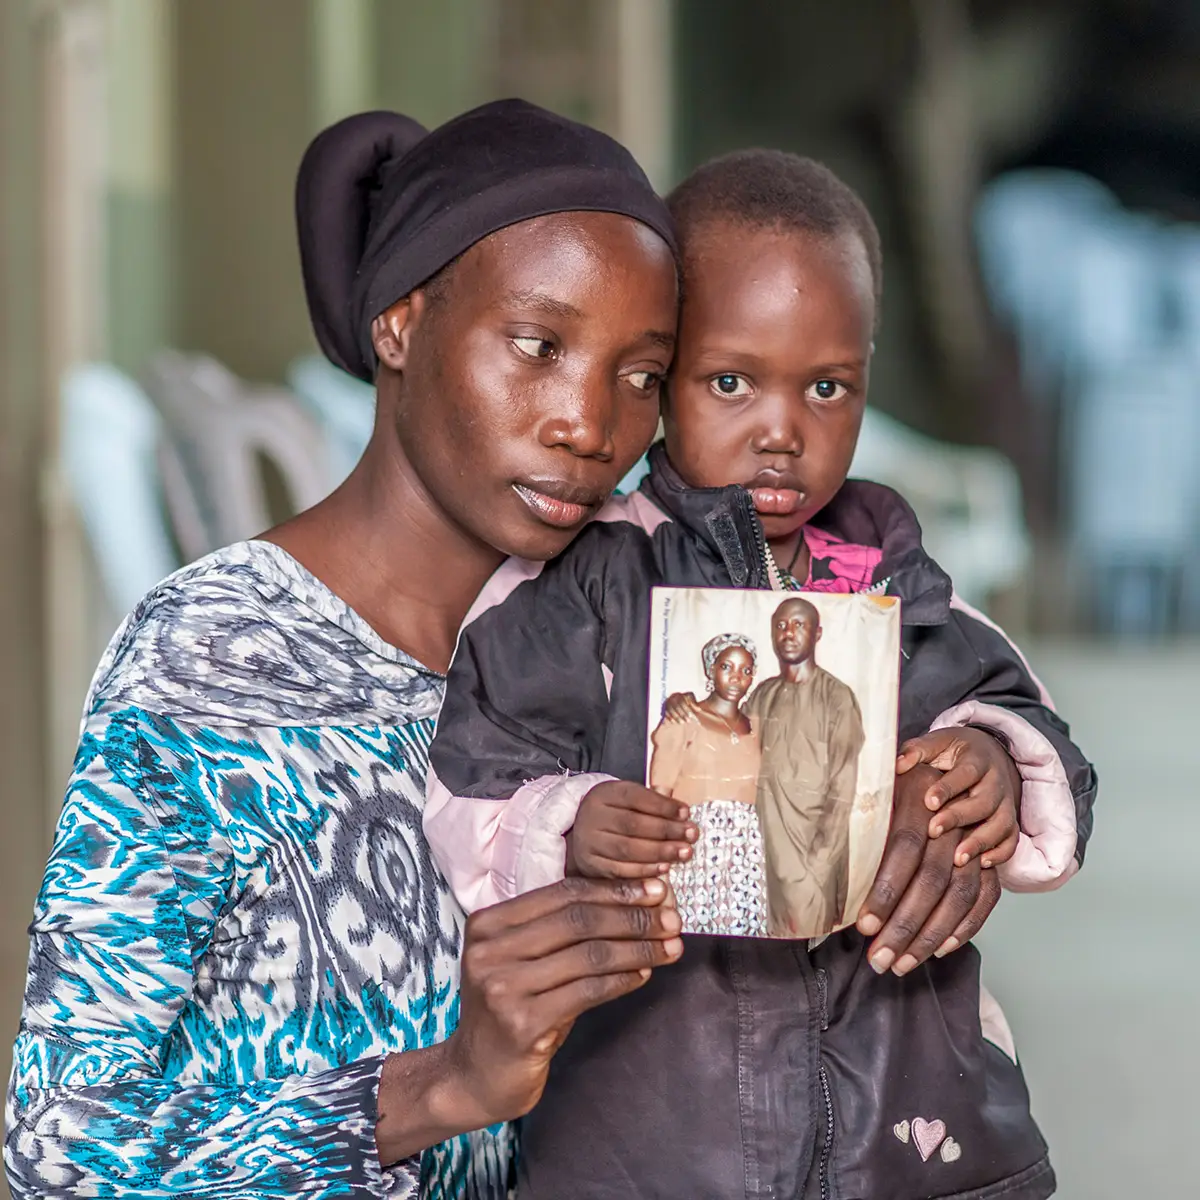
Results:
[722, 888]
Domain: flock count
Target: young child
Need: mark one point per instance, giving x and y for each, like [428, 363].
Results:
[755, 1067]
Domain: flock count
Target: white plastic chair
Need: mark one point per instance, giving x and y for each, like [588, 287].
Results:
[1135, 488]
[110, 443]
[1027, 227]
[222, 429]
[342, 405]
[967, 499]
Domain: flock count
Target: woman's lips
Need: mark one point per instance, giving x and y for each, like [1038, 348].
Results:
[776, 502]
[562, 514]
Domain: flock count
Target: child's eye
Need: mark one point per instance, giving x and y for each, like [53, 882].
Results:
[534, 347]
[730, 385]
[826, 391]
[645, 381]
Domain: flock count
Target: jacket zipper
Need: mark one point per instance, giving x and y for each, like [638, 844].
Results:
[771, 572]
[827, 1147]
[826, 1096]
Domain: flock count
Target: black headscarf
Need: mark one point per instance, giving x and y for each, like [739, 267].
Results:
[382, 204]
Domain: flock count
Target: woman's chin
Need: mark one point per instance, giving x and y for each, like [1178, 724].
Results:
[540, 546]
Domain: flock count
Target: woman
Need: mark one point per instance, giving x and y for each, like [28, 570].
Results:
[711, 764]
[244, 968]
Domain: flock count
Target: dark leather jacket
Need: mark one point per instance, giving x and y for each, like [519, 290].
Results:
[752, 1068]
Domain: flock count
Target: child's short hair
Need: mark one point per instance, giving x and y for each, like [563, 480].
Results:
[773, 189]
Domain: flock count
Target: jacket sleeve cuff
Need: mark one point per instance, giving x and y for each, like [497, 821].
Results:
[531, 851]
[1045, 854]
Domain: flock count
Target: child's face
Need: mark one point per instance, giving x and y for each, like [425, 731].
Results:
[770, 375]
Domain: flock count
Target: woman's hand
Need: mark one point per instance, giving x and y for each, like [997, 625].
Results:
[980, 787]
[921, 902]
[530, 966]
[626, 831]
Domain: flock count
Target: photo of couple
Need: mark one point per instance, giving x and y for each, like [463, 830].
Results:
[773, 718]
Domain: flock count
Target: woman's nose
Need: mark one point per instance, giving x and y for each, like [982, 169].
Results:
[582, 423]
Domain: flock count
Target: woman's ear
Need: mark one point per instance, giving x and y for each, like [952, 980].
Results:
[391, 331]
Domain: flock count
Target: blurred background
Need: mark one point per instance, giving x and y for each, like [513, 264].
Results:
[1035, 171]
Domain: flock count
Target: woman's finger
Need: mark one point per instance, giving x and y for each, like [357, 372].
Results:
[560, 1006]
[957, 902]
[597, 866]
[576, 923]
[972, 923]
[908, 836]
[901, 858]
[918, 903]
[638, 901]
[593, 959]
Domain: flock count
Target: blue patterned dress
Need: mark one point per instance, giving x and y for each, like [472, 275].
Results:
[240, 917]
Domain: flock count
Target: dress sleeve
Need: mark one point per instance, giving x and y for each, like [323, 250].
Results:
[140, 869]
[670, 741]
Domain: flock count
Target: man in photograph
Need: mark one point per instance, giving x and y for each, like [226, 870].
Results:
[811, 733]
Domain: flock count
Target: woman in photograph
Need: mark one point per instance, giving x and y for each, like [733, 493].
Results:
[711, 764]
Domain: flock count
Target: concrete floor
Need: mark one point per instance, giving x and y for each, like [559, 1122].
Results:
[1101, 980]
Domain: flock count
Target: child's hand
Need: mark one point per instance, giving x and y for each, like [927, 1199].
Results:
[981, 787]
[626, 831]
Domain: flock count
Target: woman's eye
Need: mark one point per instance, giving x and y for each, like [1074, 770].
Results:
[827, 391]
[535, 347]
[730, 385]
[645, 381]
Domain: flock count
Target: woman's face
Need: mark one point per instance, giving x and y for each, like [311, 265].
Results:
[733, 673]
[529, 385]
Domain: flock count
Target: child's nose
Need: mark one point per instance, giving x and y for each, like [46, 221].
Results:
[779, 430]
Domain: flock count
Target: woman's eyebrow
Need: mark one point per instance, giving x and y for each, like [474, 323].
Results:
[543, 303]
[540, 302]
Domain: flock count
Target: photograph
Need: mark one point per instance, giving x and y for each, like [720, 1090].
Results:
[639, 557]
[773, 718]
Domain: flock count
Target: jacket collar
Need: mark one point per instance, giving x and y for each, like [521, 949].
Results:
[867, 514]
